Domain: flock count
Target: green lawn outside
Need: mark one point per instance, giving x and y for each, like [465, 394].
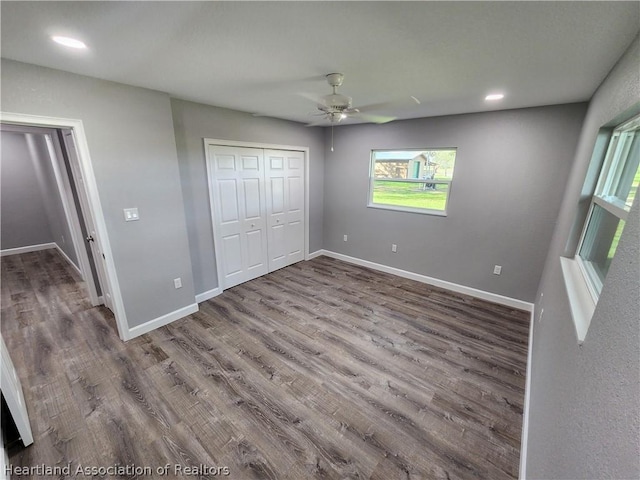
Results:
[409, 195]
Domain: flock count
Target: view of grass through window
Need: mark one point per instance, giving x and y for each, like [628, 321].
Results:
[412, 179]
[409, 195]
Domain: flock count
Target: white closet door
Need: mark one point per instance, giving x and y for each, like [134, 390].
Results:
[239, 203]
[284, 172]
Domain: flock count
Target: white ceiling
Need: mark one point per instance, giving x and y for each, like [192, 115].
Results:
[258, 56]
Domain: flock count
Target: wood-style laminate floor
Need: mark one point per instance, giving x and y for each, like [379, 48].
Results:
[319, 370]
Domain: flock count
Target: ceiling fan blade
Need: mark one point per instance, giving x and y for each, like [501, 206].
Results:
[317, 99]
[373, 118]
[393, 104]
[322, 121]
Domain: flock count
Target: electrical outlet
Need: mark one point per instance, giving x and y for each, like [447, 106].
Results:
[131, 214]
[394, 247]
[344, 238]
[177, 282]
[497, 269]
[63, 242]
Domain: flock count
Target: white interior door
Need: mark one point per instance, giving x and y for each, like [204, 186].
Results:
[72, 215]
[92, 237]
[239, 212]
[284, 175]
[12, 392]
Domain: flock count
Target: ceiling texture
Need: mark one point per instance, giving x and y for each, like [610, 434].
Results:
[259, 57]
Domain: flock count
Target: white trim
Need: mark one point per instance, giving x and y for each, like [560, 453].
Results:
[398, 208]
[69, 261]
[454, 287]
[94, 202]
[204, 296]
[316, 254]
[27, 249]
[162, 321]
[589, 277]
[13, 395]
[527, 402]
[581, 302]
[241, 143]
[4, 463]
[615, 207]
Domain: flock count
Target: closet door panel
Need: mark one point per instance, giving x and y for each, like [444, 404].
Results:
[233, 271]
[237, 183]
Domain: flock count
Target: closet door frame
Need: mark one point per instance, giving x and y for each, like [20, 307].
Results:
[211, 175]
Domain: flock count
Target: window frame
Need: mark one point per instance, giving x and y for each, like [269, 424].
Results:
[399, 208]
[609, 178]
[582, 282]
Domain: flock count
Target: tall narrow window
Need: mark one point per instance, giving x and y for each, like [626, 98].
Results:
[412, 180]
[615, 192]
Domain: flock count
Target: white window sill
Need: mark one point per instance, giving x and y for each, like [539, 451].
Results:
[580, 299]
[422, 211]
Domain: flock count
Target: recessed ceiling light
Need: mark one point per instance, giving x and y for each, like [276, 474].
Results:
[494, 96]
[69, 42]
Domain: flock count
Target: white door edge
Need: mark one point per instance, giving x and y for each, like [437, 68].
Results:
[71, 215]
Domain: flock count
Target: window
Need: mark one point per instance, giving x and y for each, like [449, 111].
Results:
[616, 189]
[412, 180]
[609, 207]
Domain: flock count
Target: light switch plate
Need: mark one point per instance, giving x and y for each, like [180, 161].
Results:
[131, 215]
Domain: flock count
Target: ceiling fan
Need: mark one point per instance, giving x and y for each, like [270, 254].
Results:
[335, 107]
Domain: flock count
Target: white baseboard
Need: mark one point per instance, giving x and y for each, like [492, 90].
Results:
[454, 287]
[69, 261]
[525, 409]
[161, 321]
[27, 249]
[204, 296]
[315, 254]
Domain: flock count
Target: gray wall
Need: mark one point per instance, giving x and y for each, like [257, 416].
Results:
[24, 216]
[51, 195]
[510, 172]
[193, 122]
[585, 400]
[132, 145]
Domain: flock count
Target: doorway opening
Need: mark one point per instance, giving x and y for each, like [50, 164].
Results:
[61, 152]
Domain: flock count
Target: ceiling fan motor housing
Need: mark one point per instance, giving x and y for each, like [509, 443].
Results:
[336, 102]
[335, 79]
